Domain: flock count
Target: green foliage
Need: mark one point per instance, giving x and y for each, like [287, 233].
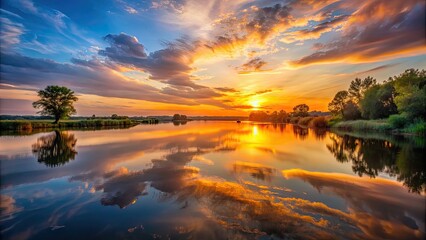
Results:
[26, 125]
[411, 89]
[398, 121]
[301, 110]
[378, 101]
[56, 101]
[334, 120]
[417, 127]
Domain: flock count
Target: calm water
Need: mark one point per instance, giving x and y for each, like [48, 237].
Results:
[211, 180]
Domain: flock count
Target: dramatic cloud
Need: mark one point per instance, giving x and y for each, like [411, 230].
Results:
[123, 46]
[378, 29]
[91, 77]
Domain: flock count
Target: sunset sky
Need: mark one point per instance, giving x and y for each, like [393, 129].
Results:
[212, 57]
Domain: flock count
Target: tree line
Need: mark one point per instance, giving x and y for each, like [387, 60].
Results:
[301, 110]
[402, 98]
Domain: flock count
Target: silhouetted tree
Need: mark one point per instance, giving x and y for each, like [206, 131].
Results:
[301, 110]
[338, 103]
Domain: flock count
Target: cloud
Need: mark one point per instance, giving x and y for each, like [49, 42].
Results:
[8, 207]
[130, 10]
[258, 171]
[377, 30]
[316, 32]
[123, 46]
[171, 65]
[226, 89]
[90, 77]
[253, 65]
[10, 33]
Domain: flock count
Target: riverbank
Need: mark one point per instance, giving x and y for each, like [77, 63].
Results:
[29, 125]
[380, 125]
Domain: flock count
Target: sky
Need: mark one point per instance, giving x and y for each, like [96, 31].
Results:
[212, 57]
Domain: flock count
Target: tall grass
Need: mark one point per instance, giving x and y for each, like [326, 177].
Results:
[27, 125]
[364, 125]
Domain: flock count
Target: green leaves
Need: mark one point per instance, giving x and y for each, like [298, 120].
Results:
[56, 101]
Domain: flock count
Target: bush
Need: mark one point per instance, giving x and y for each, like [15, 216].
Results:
[305, 121]
[398, 120]
[319, 122]
[333, 121]
[294, 120]
[418, 127]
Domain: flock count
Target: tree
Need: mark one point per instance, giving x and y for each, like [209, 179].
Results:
[351, 111]
[358, 87]
[411, 93]
[337, 105]
[378, 102]
[56, 101]
[176, 117]
[301, 110]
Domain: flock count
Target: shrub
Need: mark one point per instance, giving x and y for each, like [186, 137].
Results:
[418, 127]
[305, 121]
[398, 120]
[294, 120]
[319, 122]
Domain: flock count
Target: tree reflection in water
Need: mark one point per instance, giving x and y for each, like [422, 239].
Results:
[300, 132]
[396, 157]
[55, 149]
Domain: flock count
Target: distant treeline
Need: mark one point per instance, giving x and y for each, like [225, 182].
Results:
[299, 111]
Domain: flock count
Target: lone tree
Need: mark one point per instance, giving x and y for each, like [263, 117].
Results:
[56, 101]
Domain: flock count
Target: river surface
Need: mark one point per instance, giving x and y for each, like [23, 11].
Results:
[211, 180]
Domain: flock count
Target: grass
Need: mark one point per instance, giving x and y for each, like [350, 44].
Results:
[418, 127]
[364, 125]
[29, 125]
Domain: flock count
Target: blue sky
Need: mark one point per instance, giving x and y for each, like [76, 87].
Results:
[213, 57]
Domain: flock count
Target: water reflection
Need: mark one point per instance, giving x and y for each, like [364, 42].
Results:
[370, 156]
[380, 208]
[55, 149]
[300, 132]
[215, 181]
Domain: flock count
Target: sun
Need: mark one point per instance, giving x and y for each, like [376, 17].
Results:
[255, 104]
